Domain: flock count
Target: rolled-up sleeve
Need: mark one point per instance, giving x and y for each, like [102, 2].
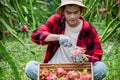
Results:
[38, 36]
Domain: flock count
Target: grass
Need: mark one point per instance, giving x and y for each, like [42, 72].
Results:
[111, 59]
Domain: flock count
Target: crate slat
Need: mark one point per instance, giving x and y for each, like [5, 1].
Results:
[68, 66]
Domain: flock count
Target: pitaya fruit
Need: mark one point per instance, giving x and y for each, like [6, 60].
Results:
[78, 55]
[6, 32]
[60, 72]
[24, 28]
[72, 75]
[103, 10]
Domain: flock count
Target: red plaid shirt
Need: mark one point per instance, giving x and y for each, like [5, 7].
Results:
[87, 38]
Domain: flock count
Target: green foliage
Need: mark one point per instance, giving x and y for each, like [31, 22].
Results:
[89, 14]
[110, 30]
[14, 34]
[21, 57]
[10, 60]
[111, 58]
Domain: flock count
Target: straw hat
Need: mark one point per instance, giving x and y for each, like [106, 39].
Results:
[66, 2]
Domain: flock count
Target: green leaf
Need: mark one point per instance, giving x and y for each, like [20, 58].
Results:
[10, 60]
[91, 8]
[11, 31]
[25, 9]
[107, 29]
[110, 33]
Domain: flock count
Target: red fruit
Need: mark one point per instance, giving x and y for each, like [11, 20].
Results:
[75, 52]
[85, 77]
[72, 75]
[6, 32]
[82, 77]
[88, 76]
[44, 73]
[117, 1]
[49, 78]
[103, 10]
[24, 28]
[52, 77]
[78, 51]
[83, 50]
[60, 72]
[13, 20]
[66, 78]
[47, 73]
[95, 11]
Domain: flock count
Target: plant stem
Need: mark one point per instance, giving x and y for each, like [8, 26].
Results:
[108, 28]
[103, 40]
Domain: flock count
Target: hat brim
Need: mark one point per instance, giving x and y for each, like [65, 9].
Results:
[84, 8]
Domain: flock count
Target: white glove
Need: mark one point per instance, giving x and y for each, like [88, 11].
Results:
[79, 58]
[65, 41]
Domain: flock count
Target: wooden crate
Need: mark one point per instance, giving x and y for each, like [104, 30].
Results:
[68, 67]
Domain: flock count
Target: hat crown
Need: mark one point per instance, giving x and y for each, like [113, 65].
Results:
[63, 1]
[67, 2]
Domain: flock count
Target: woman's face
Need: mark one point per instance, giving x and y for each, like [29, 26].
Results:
[72, 14]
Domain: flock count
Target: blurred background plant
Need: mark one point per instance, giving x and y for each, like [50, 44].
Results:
[18, 18]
